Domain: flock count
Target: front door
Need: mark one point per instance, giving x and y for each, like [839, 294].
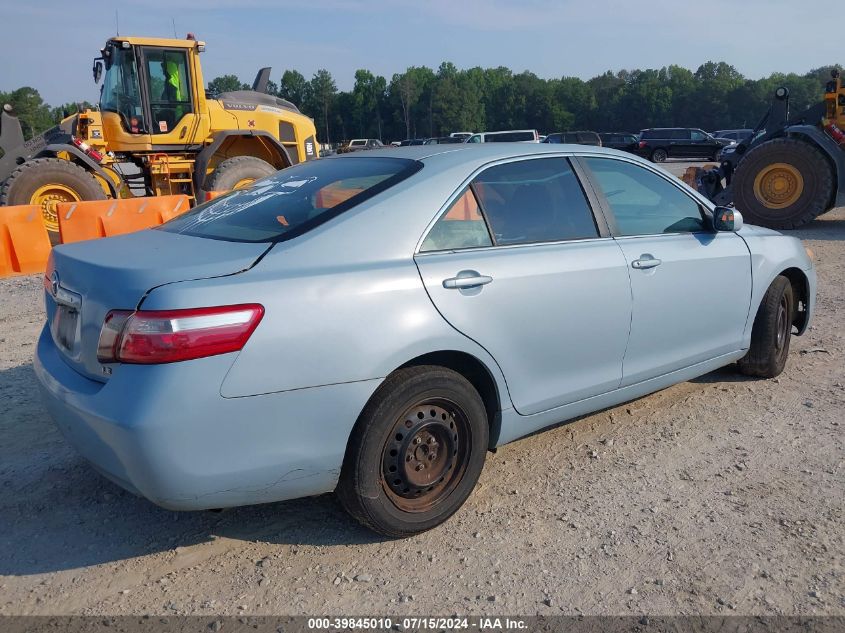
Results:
[691, 286]
[517, 264]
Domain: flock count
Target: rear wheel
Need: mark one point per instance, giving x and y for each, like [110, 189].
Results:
[416, 452]
[47, 182]
[659, 156]
[783, 184]
[771, 332]
[237, 173]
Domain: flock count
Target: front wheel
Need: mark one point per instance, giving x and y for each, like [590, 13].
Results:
[238, 172]
[47, 182]
[415, 453]
[771, 332]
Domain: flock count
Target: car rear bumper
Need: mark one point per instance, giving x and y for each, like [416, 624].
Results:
[165, 432]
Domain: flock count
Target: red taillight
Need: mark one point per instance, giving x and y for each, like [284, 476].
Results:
[167, 336]
[642, 144]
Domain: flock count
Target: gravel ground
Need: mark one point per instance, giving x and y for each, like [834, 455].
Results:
[723, 495]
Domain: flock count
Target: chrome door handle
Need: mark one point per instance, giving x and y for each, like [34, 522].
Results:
[645, 261]
[467, 282]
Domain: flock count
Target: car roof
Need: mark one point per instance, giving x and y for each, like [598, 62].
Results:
[473, 155]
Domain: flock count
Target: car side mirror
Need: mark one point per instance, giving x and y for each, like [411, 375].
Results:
[727, 219]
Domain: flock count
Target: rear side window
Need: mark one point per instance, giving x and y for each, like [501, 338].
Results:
[642, 202]
[537, 200]
[294, 200]
[648, 134]
[462, 226]
[679, 135]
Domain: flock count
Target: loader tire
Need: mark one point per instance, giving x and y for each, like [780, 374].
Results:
[238, 172]
[783, 184]
[47, 182]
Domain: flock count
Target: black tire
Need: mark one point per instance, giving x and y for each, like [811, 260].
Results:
[659, 155]
[236, 170]
[32, 175]
[816, 172]
[384, 483]
[771, 332]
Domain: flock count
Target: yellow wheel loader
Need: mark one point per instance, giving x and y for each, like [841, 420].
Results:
[155, 132]
[791, 169]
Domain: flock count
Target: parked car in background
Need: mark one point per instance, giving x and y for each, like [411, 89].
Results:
[733, 135]
[620, 140]
[442, 140]
[375, 323]
[574, 138]
[658, 144]
[505, 136]
[411, 141]
[461, 135]
[358, 144]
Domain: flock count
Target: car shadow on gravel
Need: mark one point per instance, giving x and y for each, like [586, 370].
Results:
[57, 513]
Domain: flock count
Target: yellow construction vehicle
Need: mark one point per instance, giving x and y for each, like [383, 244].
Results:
[791, 169]
[155, 132]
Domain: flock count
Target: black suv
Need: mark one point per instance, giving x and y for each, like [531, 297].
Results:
[619, 140]
[658, 144]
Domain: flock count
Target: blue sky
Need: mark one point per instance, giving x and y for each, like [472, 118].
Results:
[50, 44]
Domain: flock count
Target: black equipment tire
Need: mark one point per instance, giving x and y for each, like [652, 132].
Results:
[798, 157]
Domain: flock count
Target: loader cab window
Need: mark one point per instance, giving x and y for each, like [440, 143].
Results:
[170, 90]
[120, 92]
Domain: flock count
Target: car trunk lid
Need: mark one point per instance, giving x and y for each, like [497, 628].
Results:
[85, 280]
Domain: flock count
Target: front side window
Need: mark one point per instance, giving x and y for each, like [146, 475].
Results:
[170, 89]
[642, 202]
[292, 201]
[475, 138]
[679, 135]
[698, 135]
[120, 92]
[536, 200]
[462, 226]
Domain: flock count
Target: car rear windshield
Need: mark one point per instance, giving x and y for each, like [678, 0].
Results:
[294, 200]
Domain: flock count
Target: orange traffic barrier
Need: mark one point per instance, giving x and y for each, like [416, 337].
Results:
[24, 243]
[106, 218]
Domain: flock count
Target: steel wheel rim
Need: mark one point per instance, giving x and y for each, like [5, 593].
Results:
[782, 325]
[778, 185]
[48, 197]
[425, 454]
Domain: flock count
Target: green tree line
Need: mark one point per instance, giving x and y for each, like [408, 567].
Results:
[422, 102]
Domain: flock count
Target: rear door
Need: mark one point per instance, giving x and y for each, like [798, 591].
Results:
[691, 286]
[518, 263]
[680, 143]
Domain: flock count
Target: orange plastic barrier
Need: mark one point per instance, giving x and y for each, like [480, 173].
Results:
[105, 218]
[24, 243]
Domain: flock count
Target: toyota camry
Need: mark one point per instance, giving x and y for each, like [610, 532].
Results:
[373, 324]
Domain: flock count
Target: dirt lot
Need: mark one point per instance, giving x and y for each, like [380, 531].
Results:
[720, 495]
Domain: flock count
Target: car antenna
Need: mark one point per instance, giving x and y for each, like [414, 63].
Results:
[173, 21]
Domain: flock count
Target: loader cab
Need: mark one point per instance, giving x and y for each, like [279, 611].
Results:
[151, 95]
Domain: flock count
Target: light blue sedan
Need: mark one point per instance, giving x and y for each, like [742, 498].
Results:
[374, 323]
